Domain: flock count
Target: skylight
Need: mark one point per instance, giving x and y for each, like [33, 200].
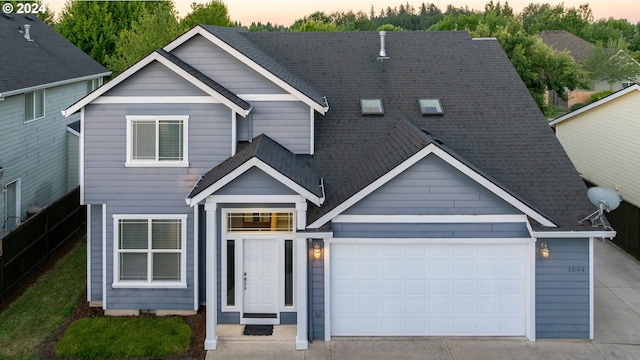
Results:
[371, 107]
[430, 106]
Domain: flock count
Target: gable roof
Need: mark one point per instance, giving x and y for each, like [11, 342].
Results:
[49, 60]
[272, 158]
[239, 46]
[562, 40]
[403, 146]
[186, 71]
[595, 104]
[490, 119]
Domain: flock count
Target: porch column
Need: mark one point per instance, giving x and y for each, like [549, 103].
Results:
[302, 342]
[211, 339]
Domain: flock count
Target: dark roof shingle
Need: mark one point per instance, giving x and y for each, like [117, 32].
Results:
[49, 58]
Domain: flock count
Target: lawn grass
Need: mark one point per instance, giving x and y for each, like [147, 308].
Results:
[119, 338]
[28, 321]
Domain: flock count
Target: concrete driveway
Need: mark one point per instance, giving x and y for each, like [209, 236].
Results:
[617, 331]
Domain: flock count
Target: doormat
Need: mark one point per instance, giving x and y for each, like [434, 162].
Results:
[258, 330]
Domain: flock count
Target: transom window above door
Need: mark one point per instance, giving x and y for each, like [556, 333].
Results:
[157, 141]
[260, 222]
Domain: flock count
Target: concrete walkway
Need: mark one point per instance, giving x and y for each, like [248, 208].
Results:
[617, 331]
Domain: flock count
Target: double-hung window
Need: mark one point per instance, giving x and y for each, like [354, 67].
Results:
[157, 141]
[33, 105]
[150, 250]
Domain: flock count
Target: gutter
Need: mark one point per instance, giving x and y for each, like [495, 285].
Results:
[53, 84]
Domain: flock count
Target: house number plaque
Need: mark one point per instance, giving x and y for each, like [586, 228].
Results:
[576, 269]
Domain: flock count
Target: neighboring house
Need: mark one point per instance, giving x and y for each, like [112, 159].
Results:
[580, 50]
[42, 73]
[601, 140]
[337, 183]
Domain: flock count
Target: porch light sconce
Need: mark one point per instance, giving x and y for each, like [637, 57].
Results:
[544, 249]
[1, 170]
[317, 252]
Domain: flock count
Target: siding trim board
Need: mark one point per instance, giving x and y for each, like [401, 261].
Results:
[155, 56]
[430, 219]
[451, 160]
[247, 61]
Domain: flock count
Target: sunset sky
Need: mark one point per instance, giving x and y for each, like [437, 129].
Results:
[285, 12]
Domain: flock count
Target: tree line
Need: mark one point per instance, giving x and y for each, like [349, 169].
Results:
[119, 33]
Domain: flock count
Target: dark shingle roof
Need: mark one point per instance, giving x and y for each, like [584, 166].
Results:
[234, 38]
[205, 79]
[490, 119]
[562, 40]
[271, 153]
[49, 58]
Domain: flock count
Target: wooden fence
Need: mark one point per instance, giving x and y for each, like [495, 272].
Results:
[37, 238]
[626, 221]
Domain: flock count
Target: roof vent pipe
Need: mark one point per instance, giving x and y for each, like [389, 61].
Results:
[27, 35]
[383, 53]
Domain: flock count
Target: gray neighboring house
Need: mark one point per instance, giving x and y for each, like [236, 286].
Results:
[42, 73]
[352, 184]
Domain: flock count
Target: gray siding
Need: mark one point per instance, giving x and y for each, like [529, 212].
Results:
[431, 187]
[137, 190]
[224, 68]
[317, 297]
[73, 161]
[562, 290]
[255, 182]
[486, 230]
[286, 122]
[95, 223]
[155, 79]
[36, 152]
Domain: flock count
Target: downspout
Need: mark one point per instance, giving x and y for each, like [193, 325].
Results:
[310, 309]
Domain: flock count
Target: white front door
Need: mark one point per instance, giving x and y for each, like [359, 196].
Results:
[260, 279]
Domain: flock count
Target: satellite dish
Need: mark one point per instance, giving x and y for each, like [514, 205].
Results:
[603, 198]
[606, 200]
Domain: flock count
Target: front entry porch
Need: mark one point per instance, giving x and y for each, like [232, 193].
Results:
[257, 271]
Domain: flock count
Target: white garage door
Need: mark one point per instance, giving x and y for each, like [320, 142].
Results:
[428, 289]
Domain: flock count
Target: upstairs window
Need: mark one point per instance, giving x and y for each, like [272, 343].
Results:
[430, 106]
[33, 105]
[93, 84]
[371, 107]
[157, 141]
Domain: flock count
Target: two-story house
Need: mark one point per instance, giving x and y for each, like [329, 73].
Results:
[352, 184]
[41, 74]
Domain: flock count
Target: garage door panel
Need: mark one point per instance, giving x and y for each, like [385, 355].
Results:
[428, 289]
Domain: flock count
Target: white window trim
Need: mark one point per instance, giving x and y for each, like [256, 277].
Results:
[130, 162]
[182, 284]
[44, 103]
[238, 237]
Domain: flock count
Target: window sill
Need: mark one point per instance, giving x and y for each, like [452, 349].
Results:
[163, 164]
[146, 285]
[32, 120]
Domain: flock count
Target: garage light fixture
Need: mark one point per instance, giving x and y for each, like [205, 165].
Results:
[317, 251]
[1, 170]
[544, 249]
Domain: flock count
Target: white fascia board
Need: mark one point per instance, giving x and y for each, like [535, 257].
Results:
[611, 97]
[430, 219]
[247, 61]
[262, 166]
[53, 84]
[432, 149]
[430, 240]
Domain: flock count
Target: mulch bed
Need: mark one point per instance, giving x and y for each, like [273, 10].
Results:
[196, 351]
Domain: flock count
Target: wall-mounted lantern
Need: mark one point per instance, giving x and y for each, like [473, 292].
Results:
[1, 170]
[544, 249]
[317, 251]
